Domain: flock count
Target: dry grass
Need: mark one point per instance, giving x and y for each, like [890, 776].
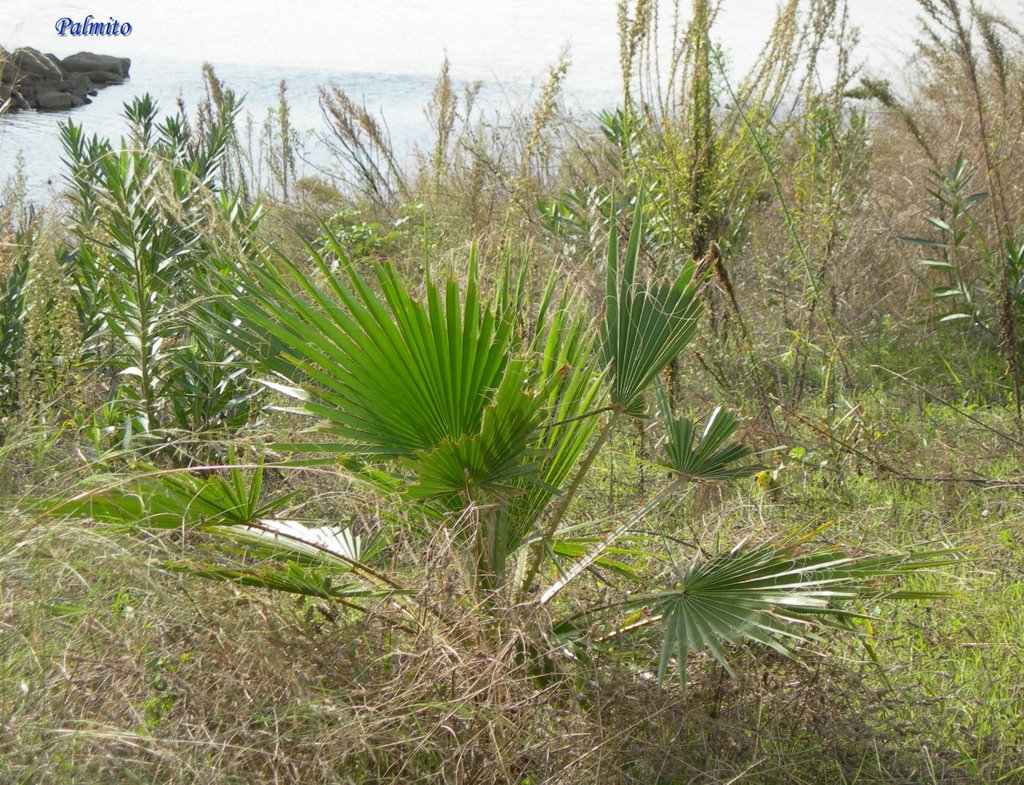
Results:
[114, 670]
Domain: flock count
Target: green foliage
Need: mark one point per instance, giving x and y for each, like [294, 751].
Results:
[644, 328]
[441, 400]
[443, 386]
[982, 293]
[141, 232]
[173, 499]
[13, 285]
[775, 595]
[966, 295]
[578, 217]
[486, 484]
[709, 457]
[362, 239]
[284, 555]
[434, 364]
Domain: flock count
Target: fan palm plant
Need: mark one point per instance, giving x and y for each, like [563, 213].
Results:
[484, 416]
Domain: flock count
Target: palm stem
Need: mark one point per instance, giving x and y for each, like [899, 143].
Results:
[592, 555]
[566, 499]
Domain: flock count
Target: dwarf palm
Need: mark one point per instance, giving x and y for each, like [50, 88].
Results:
[484, 418]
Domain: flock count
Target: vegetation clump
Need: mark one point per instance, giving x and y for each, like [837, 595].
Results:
[639, 447]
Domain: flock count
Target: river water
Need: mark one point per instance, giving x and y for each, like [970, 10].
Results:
[384, 53]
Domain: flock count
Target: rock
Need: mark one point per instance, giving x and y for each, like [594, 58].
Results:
[27, 91]
[6, 67]
[103, 77]
[56, 63]
[84, 62]
[54, 101]
[32, 80]
[28, 61]
[76, 84]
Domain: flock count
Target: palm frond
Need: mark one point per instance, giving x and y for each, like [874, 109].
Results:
[389, 376]
[574, 388]
[288, 577]
[492, 459]
[645, 325]
[711, 456]
[776, 595]
[281, 554]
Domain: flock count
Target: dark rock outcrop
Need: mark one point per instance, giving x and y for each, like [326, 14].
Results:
[103, 77]
[84, 62]
[54, 100]
[30, 62]
[30, 79]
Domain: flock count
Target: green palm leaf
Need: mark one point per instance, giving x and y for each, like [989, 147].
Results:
[286, 555]
[775, 595]
[711, 456]
[289, 577]
[389, 376]
[490, 460]
[645, 326]
[708, 458]
[176, 500]
[573, 391]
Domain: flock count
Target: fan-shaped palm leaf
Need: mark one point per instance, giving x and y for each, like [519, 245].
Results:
[491, 459]
[711, 456]
[773, 594]
[645, 326]
[391, 376]
[287, 555]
